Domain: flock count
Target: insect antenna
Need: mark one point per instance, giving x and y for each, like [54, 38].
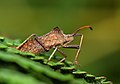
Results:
[75, 33]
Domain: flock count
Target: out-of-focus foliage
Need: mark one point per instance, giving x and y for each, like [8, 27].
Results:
[25, 68]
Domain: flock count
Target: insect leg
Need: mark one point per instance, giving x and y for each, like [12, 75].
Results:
[78, 52]
[60, 51]
[52, 54]
[81, 29]
[32, 44]
[71, 46]
[76, 47]
[30, 37]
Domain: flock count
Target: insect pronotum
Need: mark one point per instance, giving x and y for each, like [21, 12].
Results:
[54, 39]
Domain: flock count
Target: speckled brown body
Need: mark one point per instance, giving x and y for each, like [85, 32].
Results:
[36, 45]
[54, 39]
[31, 46]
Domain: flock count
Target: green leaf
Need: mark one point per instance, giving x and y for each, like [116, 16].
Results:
[8, 76]
[18, 67]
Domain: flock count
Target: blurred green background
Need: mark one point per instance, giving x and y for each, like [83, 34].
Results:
[101, 47]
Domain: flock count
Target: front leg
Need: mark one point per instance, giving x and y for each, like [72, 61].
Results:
[76, 47]
[78, 52]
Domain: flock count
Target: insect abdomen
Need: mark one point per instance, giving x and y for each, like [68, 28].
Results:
[31, 46]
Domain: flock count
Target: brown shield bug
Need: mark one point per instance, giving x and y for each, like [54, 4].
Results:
[54, 39]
